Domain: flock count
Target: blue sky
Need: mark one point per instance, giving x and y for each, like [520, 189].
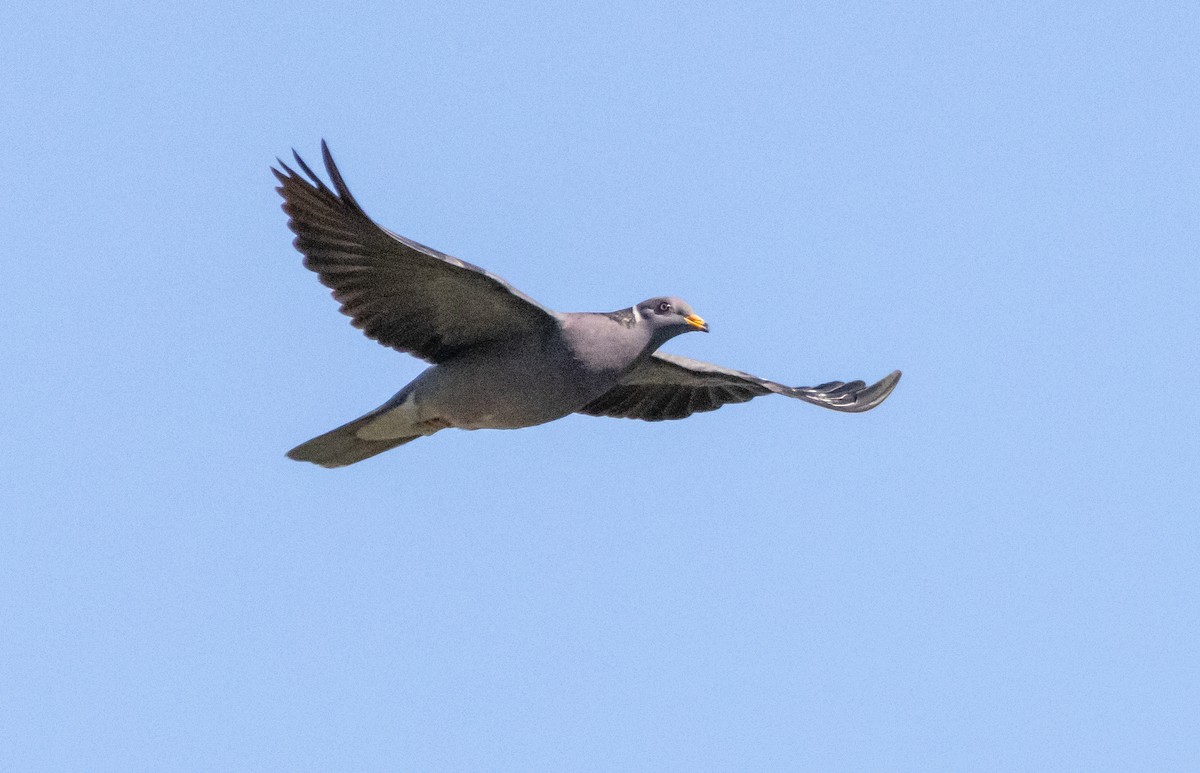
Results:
[995, 570]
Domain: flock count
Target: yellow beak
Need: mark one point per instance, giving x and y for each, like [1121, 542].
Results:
[696, 322]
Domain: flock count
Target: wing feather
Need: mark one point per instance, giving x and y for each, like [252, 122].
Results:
[666, 386]
[398, 292]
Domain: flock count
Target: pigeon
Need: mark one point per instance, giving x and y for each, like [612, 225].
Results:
[499, 359]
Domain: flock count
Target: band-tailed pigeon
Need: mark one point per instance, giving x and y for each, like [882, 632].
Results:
[500, 359]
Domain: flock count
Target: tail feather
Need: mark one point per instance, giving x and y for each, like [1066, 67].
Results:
[343, 446]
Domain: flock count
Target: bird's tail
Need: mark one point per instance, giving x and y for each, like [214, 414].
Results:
[343, 446]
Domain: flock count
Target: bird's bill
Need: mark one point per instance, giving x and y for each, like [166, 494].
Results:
[696, 322]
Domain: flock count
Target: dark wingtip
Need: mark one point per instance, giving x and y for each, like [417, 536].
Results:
[327, 157]
[854, 397]
[876, 393]
[335, 176]
[316, 180]
[339, 191]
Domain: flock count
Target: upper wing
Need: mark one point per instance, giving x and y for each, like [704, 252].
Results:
[402, 294]
[665, 386]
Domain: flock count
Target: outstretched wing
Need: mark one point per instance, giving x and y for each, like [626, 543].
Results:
[400, 293]
[665, 386]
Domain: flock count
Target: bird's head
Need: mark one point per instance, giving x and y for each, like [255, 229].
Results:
[668, 317]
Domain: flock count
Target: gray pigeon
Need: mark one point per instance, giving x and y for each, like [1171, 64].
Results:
[501, 360]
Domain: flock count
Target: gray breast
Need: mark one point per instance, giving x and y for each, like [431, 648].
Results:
[606, 345]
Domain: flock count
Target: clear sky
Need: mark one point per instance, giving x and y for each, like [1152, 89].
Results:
[998, 569]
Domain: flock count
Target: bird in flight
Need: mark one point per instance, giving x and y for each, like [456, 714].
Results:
[499, 359]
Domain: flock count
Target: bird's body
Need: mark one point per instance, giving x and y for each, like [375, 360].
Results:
[577, 361]
[499, 359]
[558, 366]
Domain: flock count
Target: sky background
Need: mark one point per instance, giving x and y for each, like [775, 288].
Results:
[995, 570]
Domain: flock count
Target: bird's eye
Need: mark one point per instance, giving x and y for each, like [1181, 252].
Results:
[664, 307]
